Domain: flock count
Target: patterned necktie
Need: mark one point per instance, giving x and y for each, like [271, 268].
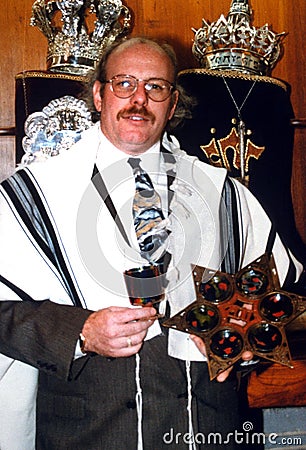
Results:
[149, 221]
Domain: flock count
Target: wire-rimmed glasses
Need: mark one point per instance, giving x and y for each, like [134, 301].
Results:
[124, 86]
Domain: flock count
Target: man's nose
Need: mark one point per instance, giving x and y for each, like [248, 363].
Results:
[140, 95]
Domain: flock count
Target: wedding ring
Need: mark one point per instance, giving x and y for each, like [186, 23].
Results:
[129, 342]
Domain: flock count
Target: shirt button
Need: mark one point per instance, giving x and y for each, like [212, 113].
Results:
[131, 404]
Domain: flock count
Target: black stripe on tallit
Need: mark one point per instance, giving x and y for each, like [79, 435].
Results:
[21, 294]
[34, 216]
[28, 212]
[230, 236]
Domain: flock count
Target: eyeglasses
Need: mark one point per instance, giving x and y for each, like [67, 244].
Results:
[124, 86]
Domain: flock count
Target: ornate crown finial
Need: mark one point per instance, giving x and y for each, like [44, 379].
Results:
[72, 47]
[232, 43]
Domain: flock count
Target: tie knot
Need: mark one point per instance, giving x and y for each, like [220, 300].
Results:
[134, 162]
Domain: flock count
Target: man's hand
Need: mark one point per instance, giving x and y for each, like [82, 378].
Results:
[246, 356]
[116, 331]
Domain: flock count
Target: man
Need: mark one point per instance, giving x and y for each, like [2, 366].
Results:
[125, 384]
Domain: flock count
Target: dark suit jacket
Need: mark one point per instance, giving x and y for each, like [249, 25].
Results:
[89, 404]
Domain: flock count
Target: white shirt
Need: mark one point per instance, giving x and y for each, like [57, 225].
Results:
[119, 180]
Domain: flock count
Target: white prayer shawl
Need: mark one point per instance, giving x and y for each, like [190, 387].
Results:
[91, 248]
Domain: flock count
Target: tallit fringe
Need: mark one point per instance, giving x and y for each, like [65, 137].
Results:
[138, 399]
[192, 445]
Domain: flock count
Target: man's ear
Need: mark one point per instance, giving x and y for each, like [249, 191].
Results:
[175, 96]
[96, 91]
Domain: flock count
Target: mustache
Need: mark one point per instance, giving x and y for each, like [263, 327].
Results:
[142, 111]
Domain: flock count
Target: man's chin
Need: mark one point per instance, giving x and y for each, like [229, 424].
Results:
[136, 140]
[136, 146]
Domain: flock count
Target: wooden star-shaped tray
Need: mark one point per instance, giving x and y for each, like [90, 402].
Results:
[244, 311]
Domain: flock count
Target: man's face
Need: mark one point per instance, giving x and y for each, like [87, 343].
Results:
[134, 124]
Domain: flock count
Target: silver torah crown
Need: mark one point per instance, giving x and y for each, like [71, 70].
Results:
[232, 43]
[73, 47]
